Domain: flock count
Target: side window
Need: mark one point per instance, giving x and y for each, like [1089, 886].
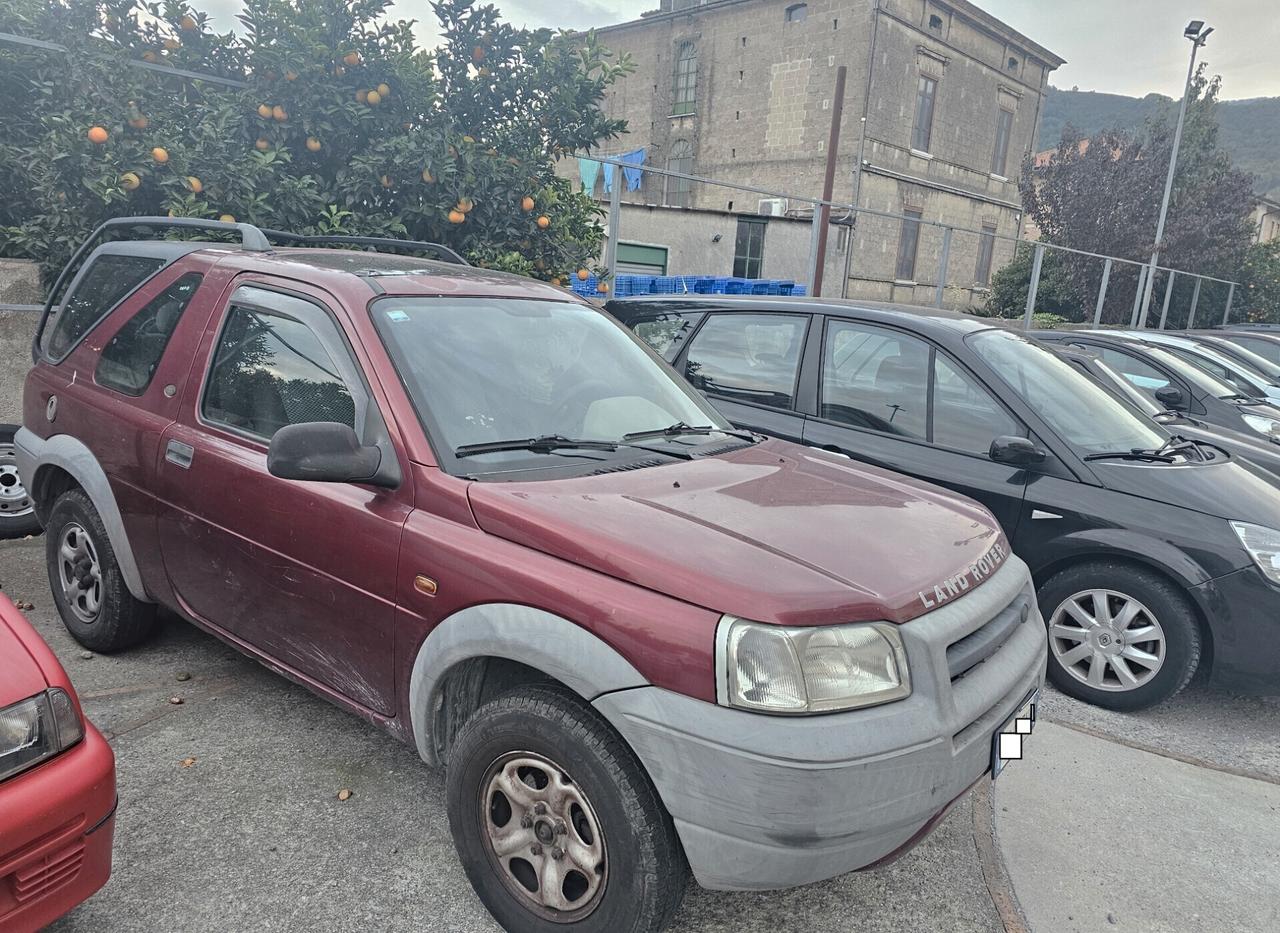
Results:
[129, 360]
[965, 416]
[104, 285]
[876, 379]
[1267, 349]
[666, 333]
[749, 357]
[270, 370]
[1141, 375]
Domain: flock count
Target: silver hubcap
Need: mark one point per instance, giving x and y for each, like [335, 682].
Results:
[14, 500]
[1107, 640]
[542, 836]
[80, 573]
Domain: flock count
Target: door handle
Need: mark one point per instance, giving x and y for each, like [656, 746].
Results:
[833, 449]
[179, 454]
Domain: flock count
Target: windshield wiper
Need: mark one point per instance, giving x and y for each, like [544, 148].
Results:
[680, 428]
[543, 444]
[1162, 454]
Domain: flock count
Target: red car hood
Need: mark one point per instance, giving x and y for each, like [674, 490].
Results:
[20, 675]
[775, 532]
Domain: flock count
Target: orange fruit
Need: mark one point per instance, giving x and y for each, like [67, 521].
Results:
[384, 90]
[339, 70]
[427, 176]
[150, 56]
[188, 22]
[477, 54]
[262, 145]
[544, 221]
[227, 218]
[555, 280]
[386, 181]
[362, 96]
[279, 114]
[457, 217]
[195, 184]
[160, 155]
[264, 111]
[603, 288]
[97, 134]
[291, 75]
[468, 139]
[313, 144]
[352, 58]
[583, 275]
[373, 98]
[526, 204]
[129, 181]
[139, 122]
[172, 45]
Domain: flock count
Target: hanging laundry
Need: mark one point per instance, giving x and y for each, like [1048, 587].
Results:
[588, 171]
[633, 175]
[608, 178]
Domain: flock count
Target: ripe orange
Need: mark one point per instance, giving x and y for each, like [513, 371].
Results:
[172, 45]
[526, 204]
[264, 111]
[457, 217]
[150, 56]
[339, 70]
[227, 218]
[160, 155]
[384, 90]
[352, 58]
[603, 288]
[373, 98]
[544, 221]
[139, 122]
[188, 22]
[279, 113]
[468, 139]
[583, 275]
[313, 144]
[477, 54]
[427, 176]
[555, 280]
[97, 135]
[262, 145]
[195, 184]
[465, 205]
[129, 181]
[291, 75]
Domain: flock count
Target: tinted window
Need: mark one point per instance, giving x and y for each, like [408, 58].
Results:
[1142, 376]
[104, 285]
[666, 333]
[877, 379]
[965, 416]
[750, 357]
[129, 360]
[1267, 349]
[270, 370]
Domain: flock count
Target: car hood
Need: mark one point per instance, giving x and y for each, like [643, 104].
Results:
[20, 675]
[1252, 447]
[774, 532]
[1230, 489]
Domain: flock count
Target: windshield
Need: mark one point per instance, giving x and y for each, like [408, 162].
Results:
[1077, 409]
[489, 370]
[1125, 387]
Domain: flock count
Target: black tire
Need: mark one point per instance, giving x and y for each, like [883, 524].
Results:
[644, 871]
[17, 508]
[1159, 599]
[120, 620]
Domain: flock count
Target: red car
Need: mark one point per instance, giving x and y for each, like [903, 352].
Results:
[482, 515]
[57, 785]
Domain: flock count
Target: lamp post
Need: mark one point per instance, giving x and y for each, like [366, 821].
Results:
[1198, 33]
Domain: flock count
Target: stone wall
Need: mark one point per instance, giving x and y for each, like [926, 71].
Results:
[19, 285]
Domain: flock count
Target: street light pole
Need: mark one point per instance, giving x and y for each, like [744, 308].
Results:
[1198, 34]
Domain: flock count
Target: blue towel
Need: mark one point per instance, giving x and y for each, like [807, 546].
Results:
[588, 170]
[608, 178]
[633, 175]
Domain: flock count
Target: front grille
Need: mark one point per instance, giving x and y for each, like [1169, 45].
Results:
[966, 653]
[45, 874]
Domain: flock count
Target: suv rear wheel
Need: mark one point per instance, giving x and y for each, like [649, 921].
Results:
[17, 510]
[88, 588]
[1119, 636]
[556, 824]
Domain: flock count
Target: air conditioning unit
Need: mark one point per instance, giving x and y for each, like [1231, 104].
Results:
[773, 207]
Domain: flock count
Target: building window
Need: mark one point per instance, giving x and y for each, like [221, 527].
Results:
[908, 245]
[1013, 64]
[1004, 129]
[935, 23]
[679, 190]
[685, 80]
[922, 130]
[748, 249]
[986, 247]
[796, 13]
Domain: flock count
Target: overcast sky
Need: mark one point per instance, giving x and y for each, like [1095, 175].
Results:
[1121, 46]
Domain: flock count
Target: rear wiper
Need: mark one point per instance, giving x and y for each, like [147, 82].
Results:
[679, 428]
[543, 444]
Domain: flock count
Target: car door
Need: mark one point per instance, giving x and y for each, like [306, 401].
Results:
[896, 400]
[748, 365]
[303, 573]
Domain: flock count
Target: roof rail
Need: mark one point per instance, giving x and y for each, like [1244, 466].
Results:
[389, 243]
[250, 238]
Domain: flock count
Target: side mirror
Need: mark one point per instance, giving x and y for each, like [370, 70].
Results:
[1170, 397]
[322, 452]
[1018, 451]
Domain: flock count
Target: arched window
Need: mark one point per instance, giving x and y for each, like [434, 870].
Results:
[685, 78]
[678, 191]
[796, 13]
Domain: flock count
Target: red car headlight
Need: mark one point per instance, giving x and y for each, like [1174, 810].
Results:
[36, 729]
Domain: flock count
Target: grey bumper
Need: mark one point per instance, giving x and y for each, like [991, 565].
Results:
[765, 802]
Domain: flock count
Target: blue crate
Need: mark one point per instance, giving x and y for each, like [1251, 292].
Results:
[706, 285]
[799, 290]
[786, 288]
[662, 285]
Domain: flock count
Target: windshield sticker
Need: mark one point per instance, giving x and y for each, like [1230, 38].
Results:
[397, 315]
[958, 584]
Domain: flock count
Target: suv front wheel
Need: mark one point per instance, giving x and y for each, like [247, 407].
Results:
[556, 824]
[88, 588]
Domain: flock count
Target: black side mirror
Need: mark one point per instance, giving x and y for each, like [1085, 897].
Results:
[1170, 397]
[322, 452]
[1018, 451]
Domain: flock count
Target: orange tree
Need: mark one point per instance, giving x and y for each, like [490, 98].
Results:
[344, 125]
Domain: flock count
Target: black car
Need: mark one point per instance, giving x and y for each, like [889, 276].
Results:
[1262, 340]
[1171, 382]
[1239, 353]
[1153, 557]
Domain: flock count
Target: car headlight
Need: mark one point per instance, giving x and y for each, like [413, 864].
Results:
[816, 669]
[37, 728]
[1263, 545]
[1263, 425]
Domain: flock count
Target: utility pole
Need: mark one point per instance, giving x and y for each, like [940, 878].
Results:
[823, 213]
[1198, 34]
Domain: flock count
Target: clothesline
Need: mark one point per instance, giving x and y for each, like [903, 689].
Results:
[589, 170]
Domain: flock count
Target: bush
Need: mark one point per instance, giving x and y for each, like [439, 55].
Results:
[345, 126]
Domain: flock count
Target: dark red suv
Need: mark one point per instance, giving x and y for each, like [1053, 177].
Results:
[482, 515]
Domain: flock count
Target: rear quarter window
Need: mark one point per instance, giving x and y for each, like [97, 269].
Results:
[107, 281]
[130, 358]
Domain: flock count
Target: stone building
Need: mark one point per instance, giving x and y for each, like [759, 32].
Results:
[741, 91]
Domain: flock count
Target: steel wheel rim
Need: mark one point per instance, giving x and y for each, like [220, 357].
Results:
[80, 573]
[14, 500]
[1107, 640]
[542, 837]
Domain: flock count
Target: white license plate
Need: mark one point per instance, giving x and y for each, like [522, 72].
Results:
[1009, 743]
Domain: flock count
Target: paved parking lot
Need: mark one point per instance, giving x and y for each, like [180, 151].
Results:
[251, 836]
